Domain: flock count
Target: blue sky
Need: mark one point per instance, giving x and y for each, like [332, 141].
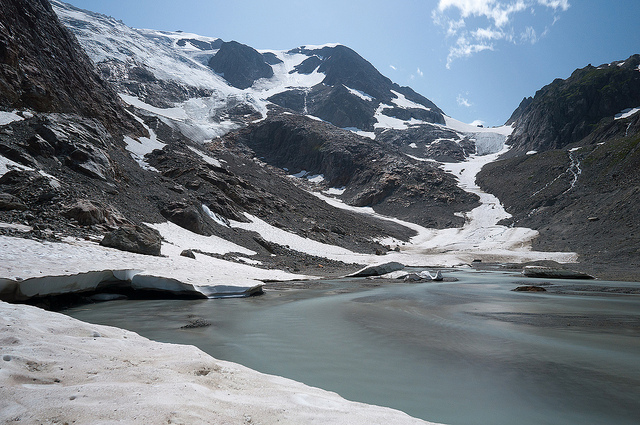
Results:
[476, 59]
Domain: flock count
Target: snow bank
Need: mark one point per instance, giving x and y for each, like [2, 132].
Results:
[298, 243]
[55, 369]
[29, 267]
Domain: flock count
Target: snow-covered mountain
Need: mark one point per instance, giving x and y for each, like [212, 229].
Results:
[220, 86]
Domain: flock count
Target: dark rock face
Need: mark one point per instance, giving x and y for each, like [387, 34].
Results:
[271, 58]
[139, 239]
[374, 173]
[186, 216]
[202, 45]
[339, 107]
[429, 141]
[334, 102]
[42, 67]
[240, 64]
[566, 111]
[9, 202]
[561, 192]
[307, 66]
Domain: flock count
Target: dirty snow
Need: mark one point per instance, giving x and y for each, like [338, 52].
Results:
[56, 369]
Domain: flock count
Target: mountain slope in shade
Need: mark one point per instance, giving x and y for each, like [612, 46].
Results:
[47, 71]
[581, 189]
[566, 111]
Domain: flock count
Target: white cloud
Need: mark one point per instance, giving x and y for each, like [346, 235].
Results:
[420, 73]
[555, 4]
[454, 16]
[463, 102]
[393, 67]
[530, 35]
[466, 47]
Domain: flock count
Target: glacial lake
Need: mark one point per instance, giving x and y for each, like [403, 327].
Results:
[469, 352]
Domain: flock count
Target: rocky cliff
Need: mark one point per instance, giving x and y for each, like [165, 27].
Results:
[566, 111]
[42, 67]
[581, 189]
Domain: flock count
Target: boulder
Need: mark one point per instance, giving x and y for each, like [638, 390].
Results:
[188, 253]
[88, 213]
[378, 269]
[134, 238]
[529, 288]
[186, 216]
[554, 273]
[85, 213]
[413, 277]
[9, 202]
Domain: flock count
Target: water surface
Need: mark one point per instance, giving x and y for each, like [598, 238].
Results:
[469, 352]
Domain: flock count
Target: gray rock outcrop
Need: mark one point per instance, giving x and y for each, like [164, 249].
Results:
[134, 238]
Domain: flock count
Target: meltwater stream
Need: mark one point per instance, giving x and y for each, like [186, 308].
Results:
[460, 353]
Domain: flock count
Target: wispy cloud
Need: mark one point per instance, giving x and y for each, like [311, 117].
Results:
[419, 72]
[463, 102]
[393, 67]
[493, 23]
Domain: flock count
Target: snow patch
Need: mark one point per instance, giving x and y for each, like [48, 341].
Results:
[9, 117]
[402, 101]
[369, 134]
[171, 113]
[318, 178]
[626, 113]
[178, 239]
[215, 217]
[295, 242]
[335, 191]
[144, 145]
[362, 95]
[207, 158]
[384, 121]
[532, 152]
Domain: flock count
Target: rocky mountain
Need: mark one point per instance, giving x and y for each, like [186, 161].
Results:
[220, 139]
[233, 82]
[581, 188]
[202, 88]
[46, 70]
[370, 173]
[566, 111]
[177, 142]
